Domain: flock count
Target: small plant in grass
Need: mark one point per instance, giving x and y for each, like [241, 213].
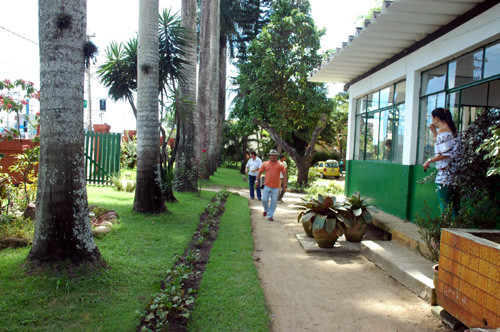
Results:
[121, 183]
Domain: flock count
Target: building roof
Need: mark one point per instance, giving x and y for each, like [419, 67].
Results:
[400, 25]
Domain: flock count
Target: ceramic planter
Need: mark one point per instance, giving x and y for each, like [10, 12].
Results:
[356, 232]
[327, 240]
[307, 227]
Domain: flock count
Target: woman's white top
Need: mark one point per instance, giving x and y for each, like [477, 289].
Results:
[446, 145]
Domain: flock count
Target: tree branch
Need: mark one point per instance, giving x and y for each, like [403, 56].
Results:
[319, 128]
[290, 150]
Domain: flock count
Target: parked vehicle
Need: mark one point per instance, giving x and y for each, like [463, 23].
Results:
[326, 168]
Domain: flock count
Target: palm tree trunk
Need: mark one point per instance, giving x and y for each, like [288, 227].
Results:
[62, 227]
[186, 156]
[222, 96]
[208, 86]
[148, 194]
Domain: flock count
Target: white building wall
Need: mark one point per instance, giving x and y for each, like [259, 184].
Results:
[479, 31]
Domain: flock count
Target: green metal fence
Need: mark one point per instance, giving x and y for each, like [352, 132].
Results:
[102, 157]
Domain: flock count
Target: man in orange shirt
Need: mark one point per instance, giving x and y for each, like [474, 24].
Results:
[273, 168]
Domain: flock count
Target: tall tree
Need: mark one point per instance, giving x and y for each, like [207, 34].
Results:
[274, 91]
[208, 87]
[184, 179]
[62, 227]
[148, 193]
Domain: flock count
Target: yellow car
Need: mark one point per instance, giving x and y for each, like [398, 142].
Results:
[326, 168]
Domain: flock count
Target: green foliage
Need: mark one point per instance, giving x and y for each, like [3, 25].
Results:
[323, 156]
[332, 188]
[491, 146]
[273, 82]
[325, 212]
[175, 299]
[25, 165]
[230, 296]
[128, 153]
[430, 229]
[106, 300]
[357, 208]
[123, 182]
[12, 205]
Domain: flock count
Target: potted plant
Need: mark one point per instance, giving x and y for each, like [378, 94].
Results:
[357, 212]
[322, 219]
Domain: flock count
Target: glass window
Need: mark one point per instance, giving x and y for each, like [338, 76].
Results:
[492, 60]
[385, 142]
[361, 105]
[359, 145]
[434, 80]
[372, 101]
[399, 95]
[467, 68]
[398, 120]
[386, 96]
[426, 140]
[372, 135]
[375, 132]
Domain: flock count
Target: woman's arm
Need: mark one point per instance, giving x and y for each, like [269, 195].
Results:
[433, 160]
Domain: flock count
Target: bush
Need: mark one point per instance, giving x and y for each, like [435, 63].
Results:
[129, 153]
[121, 183]
[333, 188]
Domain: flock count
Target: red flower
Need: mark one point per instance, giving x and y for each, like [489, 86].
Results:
[204, 150]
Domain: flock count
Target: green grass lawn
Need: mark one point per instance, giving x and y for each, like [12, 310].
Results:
[138, 252]
[226, 177]
[230, 296]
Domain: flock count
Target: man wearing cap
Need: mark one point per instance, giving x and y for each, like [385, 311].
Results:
[273, 168]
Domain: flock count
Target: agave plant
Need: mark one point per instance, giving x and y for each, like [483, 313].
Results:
[322, 213]
[357, 212]
[359, 207]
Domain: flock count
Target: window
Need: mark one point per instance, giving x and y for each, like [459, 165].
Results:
[492, 60]
[473, 83]
[379, 125]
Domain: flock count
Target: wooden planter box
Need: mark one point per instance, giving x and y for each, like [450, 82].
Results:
[469, 276]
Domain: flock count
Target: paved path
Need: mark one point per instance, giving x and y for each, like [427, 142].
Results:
[327, 292]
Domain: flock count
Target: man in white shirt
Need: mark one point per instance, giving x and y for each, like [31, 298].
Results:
[252, 168]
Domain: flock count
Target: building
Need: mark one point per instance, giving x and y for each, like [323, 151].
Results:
[413, 56]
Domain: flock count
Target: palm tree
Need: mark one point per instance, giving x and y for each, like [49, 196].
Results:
[148, 193]
[185, 158]
[119, 72]
[208, 86]
[62, 227]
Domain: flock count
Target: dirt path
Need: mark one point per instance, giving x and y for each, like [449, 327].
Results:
[327, 292]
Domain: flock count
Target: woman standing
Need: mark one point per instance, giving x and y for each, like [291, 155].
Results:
[446, 141]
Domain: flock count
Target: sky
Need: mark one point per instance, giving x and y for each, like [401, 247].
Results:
[117, 20]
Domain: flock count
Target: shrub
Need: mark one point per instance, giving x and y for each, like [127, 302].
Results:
[121, 183]
[129, 153]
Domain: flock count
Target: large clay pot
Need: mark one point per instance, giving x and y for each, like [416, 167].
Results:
[307, 227]
[357, 231]
[327, 240]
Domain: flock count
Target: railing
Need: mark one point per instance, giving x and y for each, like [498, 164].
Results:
[102, 157]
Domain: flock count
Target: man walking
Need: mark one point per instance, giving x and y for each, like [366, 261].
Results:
[273, 168]
[252, 168]
[282, 190]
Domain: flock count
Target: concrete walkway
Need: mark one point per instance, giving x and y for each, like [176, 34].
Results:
[335, 291]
